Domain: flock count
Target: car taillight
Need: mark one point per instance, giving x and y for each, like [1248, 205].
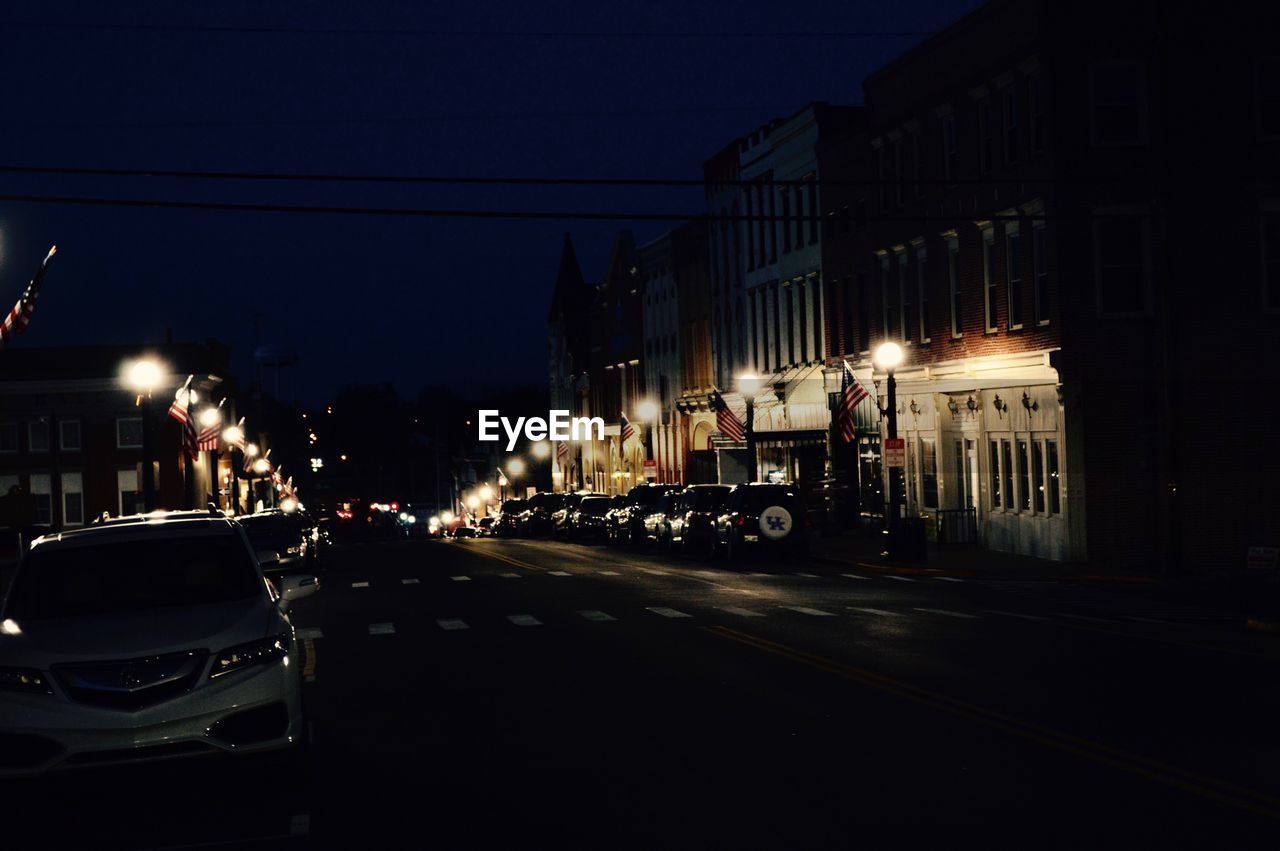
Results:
[742, 520]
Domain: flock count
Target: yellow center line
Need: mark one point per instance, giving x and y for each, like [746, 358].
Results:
[511, 561]
[1169, 775]
[309, 669]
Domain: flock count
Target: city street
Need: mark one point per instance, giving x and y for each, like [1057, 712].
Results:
[475, 692]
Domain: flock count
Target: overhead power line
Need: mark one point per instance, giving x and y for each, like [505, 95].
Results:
[563, 215]
[407, 32]
[191, 174]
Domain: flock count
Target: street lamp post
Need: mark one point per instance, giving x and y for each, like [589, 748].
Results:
[888, 356]
[143, 377]
[749, 386]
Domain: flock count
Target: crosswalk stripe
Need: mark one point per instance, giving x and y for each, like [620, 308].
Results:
[667, 613]
[652, 572]
[460, 578]
[610, 573]
[870, 611]
[524, 620]
[509, 575]
[900, 578]
[596, 615]
[744, 613]
[558, 573]
[948, 579]
[410, 581]
[382, 628]
[806, 575]
[946, 612]
[359, 584]
[852, 576]
[805, 610]
[310, 632]
[452, 623]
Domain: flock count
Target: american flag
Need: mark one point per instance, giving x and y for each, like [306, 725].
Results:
[189, 443]
[628, 431]
[20, 317]
[562, 452]
[852, 394]
[211, 435]
[180, 410]
[726, 420]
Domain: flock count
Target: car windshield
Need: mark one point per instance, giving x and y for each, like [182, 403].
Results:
[131, 576]
[706, 499]
[595, 505]
[760, 498]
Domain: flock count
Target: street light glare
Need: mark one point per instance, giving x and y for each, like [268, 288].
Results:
[888, 355]
[233, 434]
[210, 417]
[260, 466]
[251, 449]
[541, 449]
[515, 466]
[473, 502]
[647, 410]
[749, 384]
[144, 376]
[486, 493]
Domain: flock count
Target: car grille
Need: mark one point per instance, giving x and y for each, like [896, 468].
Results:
[131, 684]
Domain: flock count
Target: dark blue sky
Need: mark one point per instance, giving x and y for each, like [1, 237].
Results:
[409, 300]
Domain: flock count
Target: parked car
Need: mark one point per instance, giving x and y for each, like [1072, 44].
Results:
[561, 518]
[536, 519]
[657, 523]
[763, 519]
[611, 519]
[507, 523]
[463, 532]
[484, 527]
[288, 535]
[145, 638]
[693, 518]
[589, 519]
[629, 520]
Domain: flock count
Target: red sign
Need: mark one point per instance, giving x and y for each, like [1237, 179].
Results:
[650, 468]
[895, 452]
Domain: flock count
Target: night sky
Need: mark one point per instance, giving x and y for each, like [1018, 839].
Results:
[413, 301]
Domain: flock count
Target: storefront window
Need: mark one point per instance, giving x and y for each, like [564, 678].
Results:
[869, 476]
[1037, 470]
[928, 472]
[1024, 475]
[1006, 461]
[995, 474]
[1055, 482]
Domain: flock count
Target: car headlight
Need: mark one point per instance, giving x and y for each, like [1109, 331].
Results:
[262, 652]
[25, 680]
[294, 550]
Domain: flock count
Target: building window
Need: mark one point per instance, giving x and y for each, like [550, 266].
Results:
[950, 154]
[772, 195]
[72, 499]
[864, 314]
[1006, 469]
[1270, 264]
[1010, 116]
[802, 309]
[789, 296]
[8, 438]
[986, 135]
[41, 487]
[813, 212]
[888, 302]
[1118, 103]
[778, 296]
[129, 433]
[750, 226]
[995, 474]
[1024, 474]
[1120, 256]
[1013, 273]
[917, 165]
[922, 286]
[904, 296]
[1035, 111]
[1037, 470]
[1268, 97]
[69, 435]
[799, 219]
[786, 220]
[953, 283]
[897, 172]
[127, 488]
[928, 473]
[989, 277]
[38, 435]
[1055, 480]
[1040, 273]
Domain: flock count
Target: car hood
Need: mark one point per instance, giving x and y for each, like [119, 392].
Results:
[133, 635]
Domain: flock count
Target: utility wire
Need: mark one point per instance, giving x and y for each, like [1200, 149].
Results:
[590, 215]
[188, 174]
[228, 29]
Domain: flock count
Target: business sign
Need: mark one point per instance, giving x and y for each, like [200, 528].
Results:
[650, 468]
[895, 452]
[1262, 558]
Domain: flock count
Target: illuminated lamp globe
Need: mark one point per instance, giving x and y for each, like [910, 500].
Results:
[541, 449]
[515, 466]
[210, 417]
[473, 502]
[749, 384]
[143, 376]
[888, 356]
[486, 493]
[647, 410]
[260, 466]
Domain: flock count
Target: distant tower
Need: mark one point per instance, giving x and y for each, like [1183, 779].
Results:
[274, 357]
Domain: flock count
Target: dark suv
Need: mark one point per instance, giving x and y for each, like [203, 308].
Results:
[763, 519]
[537, 513]
[693, 519]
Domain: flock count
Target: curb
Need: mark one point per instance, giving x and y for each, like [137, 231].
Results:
[1262, 625]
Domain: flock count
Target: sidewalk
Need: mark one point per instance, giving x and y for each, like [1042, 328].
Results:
[1255, 598]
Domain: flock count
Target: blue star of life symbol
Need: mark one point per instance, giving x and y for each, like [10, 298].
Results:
[777, 524]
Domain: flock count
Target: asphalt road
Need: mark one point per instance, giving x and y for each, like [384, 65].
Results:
[486, 693]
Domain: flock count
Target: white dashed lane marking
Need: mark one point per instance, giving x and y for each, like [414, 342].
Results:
[743, 613]
[806, 575]
[596, 615]
[900, 578]
[652, 572]
[805, 610]
[852, 576]
[558, 573]
[948, 579]
[884, 613]
[460, 578]
[610, 573]
[524, 620]
[452, 623]
[382, 629]
[667, 613]
[509, 575]
[310, 632]
[359, 584]
[413, 581]
[947, 613]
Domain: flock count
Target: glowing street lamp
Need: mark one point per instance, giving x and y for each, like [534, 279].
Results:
[515, 467]
[749, 385]
[541, 449]
[486, 493]
[473, 502]
[889, 356]
[210, 417]
[143, 377]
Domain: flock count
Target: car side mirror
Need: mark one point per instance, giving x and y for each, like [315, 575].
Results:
[268, 558]
[296, 588]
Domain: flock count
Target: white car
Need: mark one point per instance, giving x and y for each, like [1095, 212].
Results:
[143, 638]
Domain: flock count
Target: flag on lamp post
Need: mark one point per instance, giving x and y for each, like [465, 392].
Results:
[726, 420]
[852, 393]
[628, 431]
[17, 320]
[562, 452]
[180, 410]
[211, 435]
